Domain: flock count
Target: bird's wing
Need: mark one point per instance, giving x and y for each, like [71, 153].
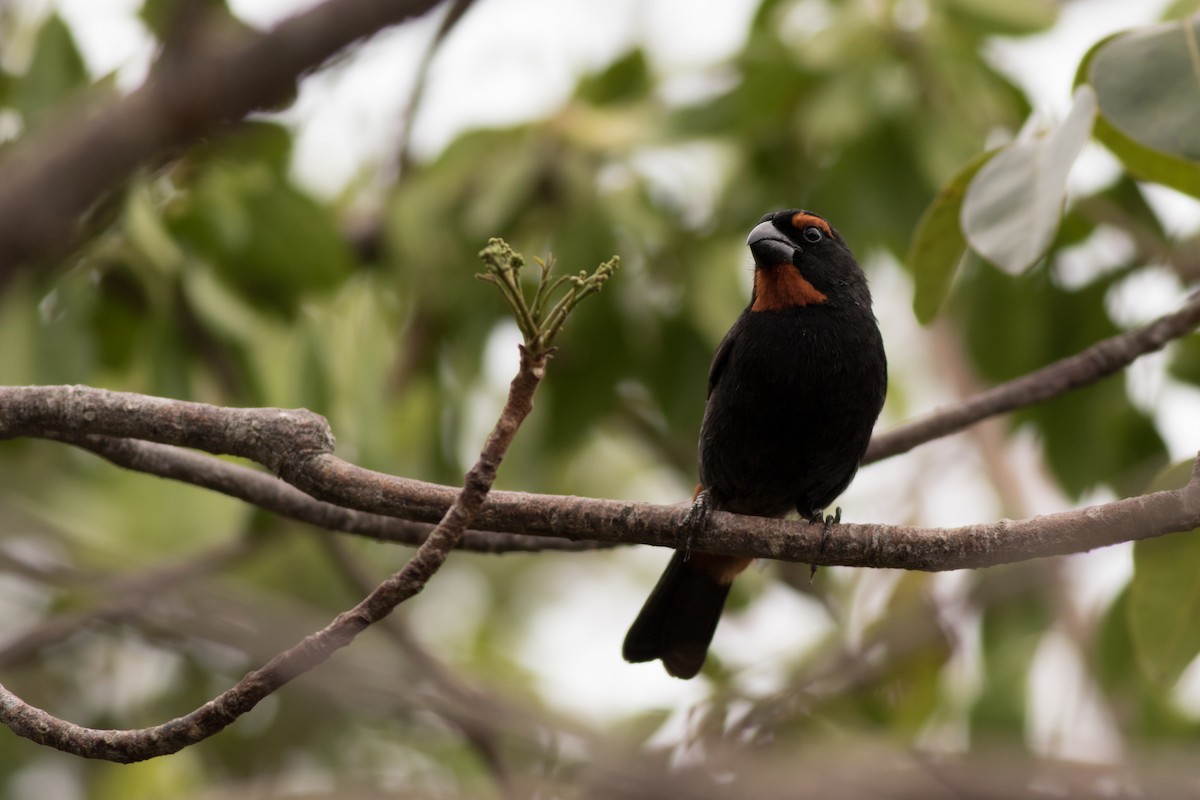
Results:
[720, 359]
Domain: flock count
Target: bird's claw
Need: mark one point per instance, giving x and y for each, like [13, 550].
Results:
[829, 522]
[696, 520]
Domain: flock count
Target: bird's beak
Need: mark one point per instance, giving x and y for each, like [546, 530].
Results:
[769, 247]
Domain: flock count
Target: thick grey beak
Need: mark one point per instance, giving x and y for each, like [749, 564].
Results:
[770, 247]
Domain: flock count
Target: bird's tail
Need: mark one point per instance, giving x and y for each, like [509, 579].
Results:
[679, 618]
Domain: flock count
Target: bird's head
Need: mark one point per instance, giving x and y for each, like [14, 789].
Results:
[800, 260]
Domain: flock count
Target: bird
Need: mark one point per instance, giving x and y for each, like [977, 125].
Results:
[794, 391]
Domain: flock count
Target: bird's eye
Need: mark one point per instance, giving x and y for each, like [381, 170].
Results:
[813, 234]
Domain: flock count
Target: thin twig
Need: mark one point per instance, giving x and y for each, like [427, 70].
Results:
[454, 14]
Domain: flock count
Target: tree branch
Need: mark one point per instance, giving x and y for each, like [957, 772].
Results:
[454, 14]
[404, 510]
[270, 493]
[45, 186]
[298, 446]
[257, 430]
[1098, 361]
[856, 545]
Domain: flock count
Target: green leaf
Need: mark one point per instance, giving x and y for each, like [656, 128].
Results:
[1146, 709]
[1147, 83]
[161, 16]
[1017, 324]
[164, 777]
[1113, 659]
[7, 84]
[1185, 359]
[625, 80]
[56, 71]
[909, 688]
[264, 238]
[874, 192]
[1013, 206]
[1009, 637]
[938, 245]
[1125, 457]
[146, 231]
[1006, 16]
[1181, 8]
[258, 141]
[1139, 159]
[1164, 596]
[118, 318]
[1148, 163]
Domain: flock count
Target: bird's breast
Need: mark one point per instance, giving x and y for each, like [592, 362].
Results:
[790, 417]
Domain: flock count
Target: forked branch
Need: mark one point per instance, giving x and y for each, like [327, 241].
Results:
[259, 431]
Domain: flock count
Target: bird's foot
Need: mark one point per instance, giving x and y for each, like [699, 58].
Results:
[829, 522]
[696, 519]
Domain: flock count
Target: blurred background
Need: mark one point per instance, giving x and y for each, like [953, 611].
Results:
[323, 255]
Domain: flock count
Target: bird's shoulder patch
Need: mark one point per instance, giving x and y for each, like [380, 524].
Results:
[783, 287]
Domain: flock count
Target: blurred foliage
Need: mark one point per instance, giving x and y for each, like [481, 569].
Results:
[1163, 625]
[215, 277]
[1012, 207]
[1147, 86]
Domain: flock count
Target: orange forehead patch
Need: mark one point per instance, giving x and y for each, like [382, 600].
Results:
[803, 219]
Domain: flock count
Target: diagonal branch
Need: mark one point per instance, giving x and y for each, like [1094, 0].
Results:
[1082, 369]
[211, 718]
[454, 14]
[219, 77]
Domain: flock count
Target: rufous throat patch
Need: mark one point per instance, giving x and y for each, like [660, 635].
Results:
[782, 286]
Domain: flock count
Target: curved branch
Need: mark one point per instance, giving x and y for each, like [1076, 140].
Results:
[1086, 367]
[127, 746]
[270, 493]
[297, 444]
[46, 185]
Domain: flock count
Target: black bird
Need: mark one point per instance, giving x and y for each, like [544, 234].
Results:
[793, 394]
